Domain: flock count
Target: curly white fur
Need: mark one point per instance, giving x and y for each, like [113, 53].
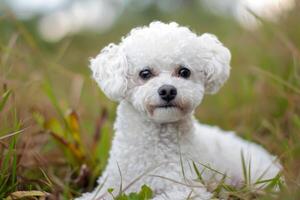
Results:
[157, 146]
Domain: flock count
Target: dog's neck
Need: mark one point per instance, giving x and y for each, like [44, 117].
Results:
[130, 123]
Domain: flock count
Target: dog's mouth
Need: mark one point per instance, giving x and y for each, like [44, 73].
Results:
[168, 105]
[164, 106]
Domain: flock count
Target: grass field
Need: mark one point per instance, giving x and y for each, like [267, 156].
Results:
[56, 125]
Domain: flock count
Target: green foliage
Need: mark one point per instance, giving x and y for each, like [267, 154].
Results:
[144, 194]
[8, 157]
[247, 190]
[8, 170]
[66, 131]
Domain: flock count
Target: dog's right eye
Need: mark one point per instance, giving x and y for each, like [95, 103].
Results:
[145, 74]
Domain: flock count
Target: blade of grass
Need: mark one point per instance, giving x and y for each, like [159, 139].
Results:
[49, 92]
[279, 34]
[12, 134]
[274, 182]
[189, 195]
[177, 182]
[8, 49]
[244, 167]
[249, 172]
[99, 188]
[121, 180]
[14, 165]
[4, 99]
[4, 175]
[198, 173]
[98, 127]
[28, 37]
[210, 168]
[50, 184]
[150, 169]
[219, 187]
[73, 121]
[78, 154]
[277, 79]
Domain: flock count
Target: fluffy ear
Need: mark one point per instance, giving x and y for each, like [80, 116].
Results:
[109, 70]
[217, 67]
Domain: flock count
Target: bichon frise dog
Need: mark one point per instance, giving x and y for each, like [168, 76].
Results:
[159, 75]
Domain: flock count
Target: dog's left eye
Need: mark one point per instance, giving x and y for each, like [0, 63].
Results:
[184, 72]
[145, 74]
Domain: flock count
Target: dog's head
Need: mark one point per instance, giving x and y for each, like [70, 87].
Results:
[163, 70]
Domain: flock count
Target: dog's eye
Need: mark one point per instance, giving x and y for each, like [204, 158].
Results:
[184, 72]
[145, 74]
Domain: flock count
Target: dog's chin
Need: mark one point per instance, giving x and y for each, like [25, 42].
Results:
[166, 114]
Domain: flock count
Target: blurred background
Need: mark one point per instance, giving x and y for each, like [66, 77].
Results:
[56, 125]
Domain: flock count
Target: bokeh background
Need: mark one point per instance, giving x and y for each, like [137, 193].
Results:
[56, 125]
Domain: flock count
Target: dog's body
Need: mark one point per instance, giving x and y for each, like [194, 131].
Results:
[157, 141]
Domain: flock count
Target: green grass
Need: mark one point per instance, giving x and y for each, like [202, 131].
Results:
[56, 125]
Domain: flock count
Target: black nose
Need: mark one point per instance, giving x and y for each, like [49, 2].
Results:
[167, 92]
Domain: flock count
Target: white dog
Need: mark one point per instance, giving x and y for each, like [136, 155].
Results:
[159, 75]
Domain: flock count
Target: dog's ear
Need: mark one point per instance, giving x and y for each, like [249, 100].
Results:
[217, 67]
[110, 71]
